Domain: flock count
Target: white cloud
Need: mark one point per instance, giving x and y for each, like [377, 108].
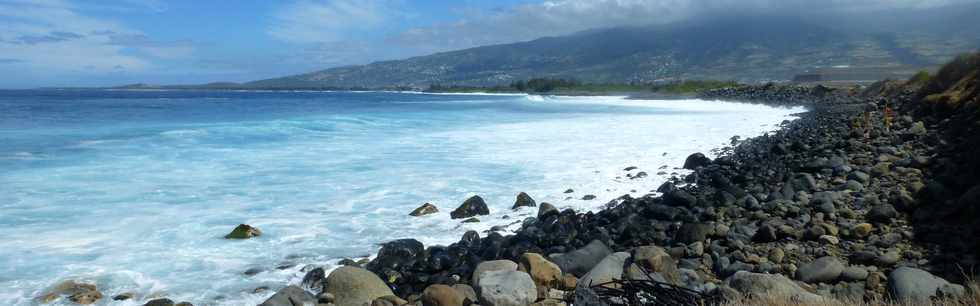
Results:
[50, 37]
[327, 21]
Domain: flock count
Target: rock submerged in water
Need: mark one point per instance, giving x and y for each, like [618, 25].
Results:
[474, 206]
[524, 200]
[425, 209]
[244, 231]
[77, 292]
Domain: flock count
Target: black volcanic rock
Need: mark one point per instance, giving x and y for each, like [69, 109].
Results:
[474, 206]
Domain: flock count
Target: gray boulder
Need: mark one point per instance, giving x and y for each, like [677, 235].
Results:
[290, 296]
[492, 265]
[355, 286]
[579, 262]
[823, 270]
[507, 288]
[769, 285]
[609, 269]
[911, 284]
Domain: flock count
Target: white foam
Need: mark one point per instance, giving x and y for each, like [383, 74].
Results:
[147, 213]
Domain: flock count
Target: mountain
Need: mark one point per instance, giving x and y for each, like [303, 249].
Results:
[745, 48]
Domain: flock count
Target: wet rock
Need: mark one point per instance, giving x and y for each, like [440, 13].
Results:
[160, 302]
[582, 260]
[588, 197]
[314, 279]
[695, 161]
[244, 231]
[823, 270]
[355, 286]
[124, 296]
[184, 304]
[911, 284]
[523, 200]
[425, 209]
[397, 255]
[491, 265]
[769, 286]
[546, 209]
[473, 206]
[288, 295]
[85, 298]
[441, 295]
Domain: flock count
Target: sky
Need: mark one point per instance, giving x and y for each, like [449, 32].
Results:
[105, 43]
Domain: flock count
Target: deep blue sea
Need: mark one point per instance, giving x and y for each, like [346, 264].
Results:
[133, 190]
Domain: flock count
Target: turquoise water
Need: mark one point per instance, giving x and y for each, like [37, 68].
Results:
[133, 190]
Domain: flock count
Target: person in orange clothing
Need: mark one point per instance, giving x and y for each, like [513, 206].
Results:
[888, 117]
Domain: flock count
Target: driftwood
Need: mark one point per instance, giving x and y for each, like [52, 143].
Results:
[650, 292]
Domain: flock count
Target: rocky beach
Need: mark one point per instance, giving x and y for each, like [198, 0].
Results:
[871, 196]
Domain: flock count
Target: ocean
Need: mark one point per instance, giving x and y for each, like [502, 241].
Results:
[133, 190]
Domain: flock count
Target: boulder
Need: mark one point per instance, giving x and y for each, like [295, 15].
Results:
[397, 255]
[769, 286]
[655, 259]
[523, 200]
[680, 198]
[695, 161]
[244, 231]
[314, 279]
[542, 271]
[507, 288]
[823, 270]
[581, 261]
[546, 209]
[85, 298]
[913, 285]
[425, 209]
[492, 265]
[471, 207]
[355, 286]
[468, 293]
[441, 295]
[882, 213]
[160, 302]
[692, 232]
[609, 269]
[287, 296]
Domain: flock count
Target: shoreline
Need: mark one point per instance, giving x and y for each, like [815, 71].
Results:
[828, 209]
[808, 209]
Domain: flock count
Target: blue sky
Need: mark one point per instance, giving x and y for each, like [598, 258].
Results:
[101, 42]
